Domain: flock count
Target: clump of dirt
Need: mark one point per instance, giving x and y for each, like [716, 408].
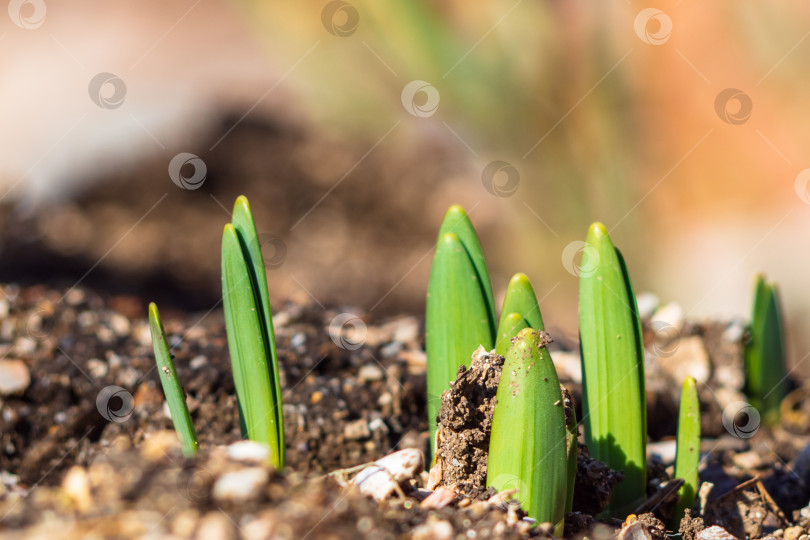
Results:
[465, 423]
[690, 526]
[654, 526]
[593, 484]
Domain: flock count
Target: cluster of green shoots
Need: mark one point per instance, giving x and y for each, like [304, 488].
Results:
[533, 444]
[251, 341]
[532, 448]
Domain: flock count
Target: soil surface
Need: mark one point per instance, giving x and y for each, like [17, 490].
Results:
[86, 447]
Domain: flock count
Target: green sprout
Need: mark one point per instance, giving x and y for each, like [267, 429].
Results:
[527, 447]
[249, 326]
[765, 362]
[520, 310]
[460, 314]
[614, 408]
[175, 396]
[687, 455]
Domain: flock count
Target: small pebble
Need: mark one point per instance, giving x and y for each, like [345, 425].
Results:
[24, 346]
[241, 486]
[160, 445]
[793, 533]
[439, 499]
[647, 304]
[14, 377]
[671, 314]
[97, 368]
[356, 430]
[392, 349]
[298, 340]
[77, 486]
[715, 532]
[370, 372]
[87, 319]
[215, 526]
[119, 324]
[734, 332]
[436, 530]
[74, 297]
[406, 330]
[378, 424]
[249, 451]
[198, 361]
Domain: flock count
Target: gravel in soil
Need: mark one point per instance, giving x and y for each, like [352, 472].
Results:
[83, 446]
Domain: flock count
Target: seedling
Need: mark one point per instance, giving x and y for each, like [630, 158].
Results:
[614, 408]
[687, 455]
[520, 310]
[175, 396]
[460, 315]
[249, 327]
[765, 362]
[527, 448]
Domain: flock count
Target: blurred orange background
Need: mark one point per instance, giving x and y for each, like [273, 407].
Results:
[617, 112]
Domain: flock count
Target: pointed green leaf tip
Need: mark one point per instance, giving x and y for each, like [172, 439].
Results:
[456, 222]
[459, 314]
[250, 333]
[175, 396]
[527, 448]
[614, 406]
[520, 300]
[687, 456]
[510, 326]
[765, 356]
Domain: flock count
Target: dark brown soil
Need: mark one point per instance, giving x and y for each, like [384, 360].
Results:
[465, 424]
[343, 406]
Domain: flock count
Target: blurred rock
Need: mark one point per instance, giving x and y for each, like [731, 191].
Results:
[14, 377]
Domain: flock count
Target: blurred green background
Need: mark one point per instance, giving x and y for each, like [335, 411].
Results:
[353, 125]
[606, 111]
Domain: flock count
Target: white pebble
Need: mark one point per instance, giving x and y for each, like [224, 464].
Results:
[198, 361]
[240, 486]
[249, 451]
[370, 372]
[14, 377]
[119, 324]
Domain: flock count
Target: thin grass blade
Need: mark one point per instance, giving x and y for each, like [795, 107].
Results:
[246, 230]
[614, 408]
[175, 396]
[687, 455]
[248, 347]
[527, 448]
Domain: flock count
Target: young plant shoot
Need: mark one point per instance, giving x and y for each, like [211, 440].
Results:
[249, 326]
[520, 310]
[765, 363]
[614, 408]
[687, 455]
[527, 447]
[460, 315]
[175, 396]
